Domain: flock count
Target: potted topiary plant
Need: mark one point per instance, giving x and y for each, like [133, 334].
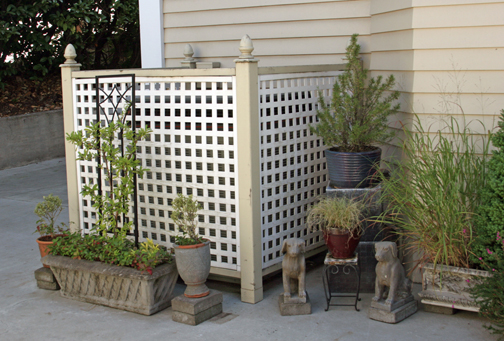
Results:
[48, 212]
[340, 221]
[192, 252]
[355, 121]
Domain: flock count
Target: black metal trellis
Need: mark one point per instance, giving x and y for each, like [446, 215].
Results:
[116, 96]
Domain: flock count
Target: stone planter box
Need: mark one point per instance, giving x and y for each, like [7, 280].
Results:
[115, 286]
[448, 286]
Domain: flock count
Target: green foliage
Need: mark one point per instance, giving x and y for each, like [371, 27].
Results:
[432, 193]
[490, 219]
[116, 250]
[488, 292]
[185, 212]
[333, 214]
[357, 116]
[119, 169]
[36, 33]
[48, 211]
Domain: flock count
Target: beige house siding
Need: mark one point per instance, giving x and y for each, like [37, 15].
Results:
[439, 52]
[443, 54]
[284, 32]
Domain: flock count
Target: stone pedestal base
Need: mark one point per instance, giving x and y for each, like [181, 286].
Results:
[289, 309]
[193, 311]
[45, 279]
[394, 316]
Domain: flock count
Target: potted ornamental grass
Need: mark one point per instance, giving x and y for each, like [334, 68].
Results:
[105, 267]
[355, 121]
[192, 252]
[431, 198]
[340, 220]
[48, 212]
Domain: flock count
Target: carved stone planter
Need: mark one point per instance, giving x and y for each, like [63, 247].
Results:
[448, 286]
[115, 286]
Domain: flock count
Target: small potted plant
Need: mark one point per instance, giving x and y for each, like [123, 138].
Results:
[355, 121]
[340, 220]
[192, 252]
[48, 211]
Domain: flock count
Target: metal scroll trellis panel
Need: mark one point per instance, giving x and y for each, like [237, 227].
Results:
[293, 167]
[192, 150]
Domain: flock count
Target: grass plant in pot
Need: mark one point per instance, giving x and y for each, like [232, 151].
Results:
[48, 211]
[355, 122]
[104, 266]
[432, 195]
[192, 252]
[340, 221]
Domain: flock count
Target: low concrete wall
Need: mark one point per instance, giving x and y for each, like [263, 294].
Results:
[31, 138]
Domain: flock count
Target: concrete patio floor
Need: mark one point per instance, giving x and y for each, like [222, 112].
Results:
[28, 313]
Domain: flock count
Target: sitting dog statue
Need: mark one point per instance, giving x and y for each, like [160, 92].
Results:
[294, 270]
[390, 274]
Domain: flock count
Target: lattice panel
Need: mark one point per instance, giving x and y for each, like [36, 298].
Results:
[293, 167]
[192, 150]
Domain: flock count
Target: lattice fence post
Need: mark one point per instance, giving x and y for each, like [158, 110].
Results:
[67, 68]
[247, 99]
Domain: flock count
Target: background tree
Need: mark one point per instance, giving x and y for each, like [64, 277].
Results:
[34, 34]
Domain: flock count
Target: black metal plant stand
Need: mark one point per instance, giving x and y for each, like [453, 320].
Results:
[340, 267]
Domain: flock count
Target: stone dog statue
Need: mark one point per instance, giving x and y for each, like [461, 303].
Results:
[294, 270]
[390, 274]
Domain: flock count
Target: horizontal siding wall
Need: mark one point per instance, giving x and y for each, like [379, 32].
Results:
[452, 54]
[284, 32]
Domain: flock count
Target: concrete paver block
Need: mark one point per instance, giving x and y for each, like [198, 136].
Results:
[193, 311]
[393, 316]
[290, 309]
[44, 274]
[48, 285]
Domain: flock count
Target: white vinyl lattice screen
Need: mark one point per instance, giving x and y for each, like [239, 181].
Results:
[293, 167]
[193, 150]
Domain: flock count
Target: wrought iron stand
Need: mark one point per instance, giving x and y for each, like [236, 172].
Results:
[344, 267]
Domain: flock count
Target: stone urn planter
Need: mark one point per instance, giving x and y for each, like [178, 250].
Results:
[448, 286]
[115, 286]
[193, 264]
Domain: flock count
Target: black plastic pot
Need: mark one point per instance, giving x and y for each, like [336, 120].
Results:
[352, 170]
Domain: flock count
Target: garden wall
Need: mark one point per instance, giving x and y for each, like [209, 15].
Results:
[31, 138]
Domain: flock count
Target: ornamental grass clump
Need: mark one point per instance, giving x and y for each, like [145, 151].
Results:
[336, 215]
[356, 119]
[432, 192]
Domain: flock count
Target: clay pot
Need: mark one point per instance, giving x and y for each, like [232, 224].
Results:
[341, 244]
[43, 243]
[193, 264]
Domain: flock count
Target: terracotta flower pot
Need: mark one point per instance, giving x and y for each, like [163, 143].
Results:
[43, 243]
[193, 264]
[341, 245]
